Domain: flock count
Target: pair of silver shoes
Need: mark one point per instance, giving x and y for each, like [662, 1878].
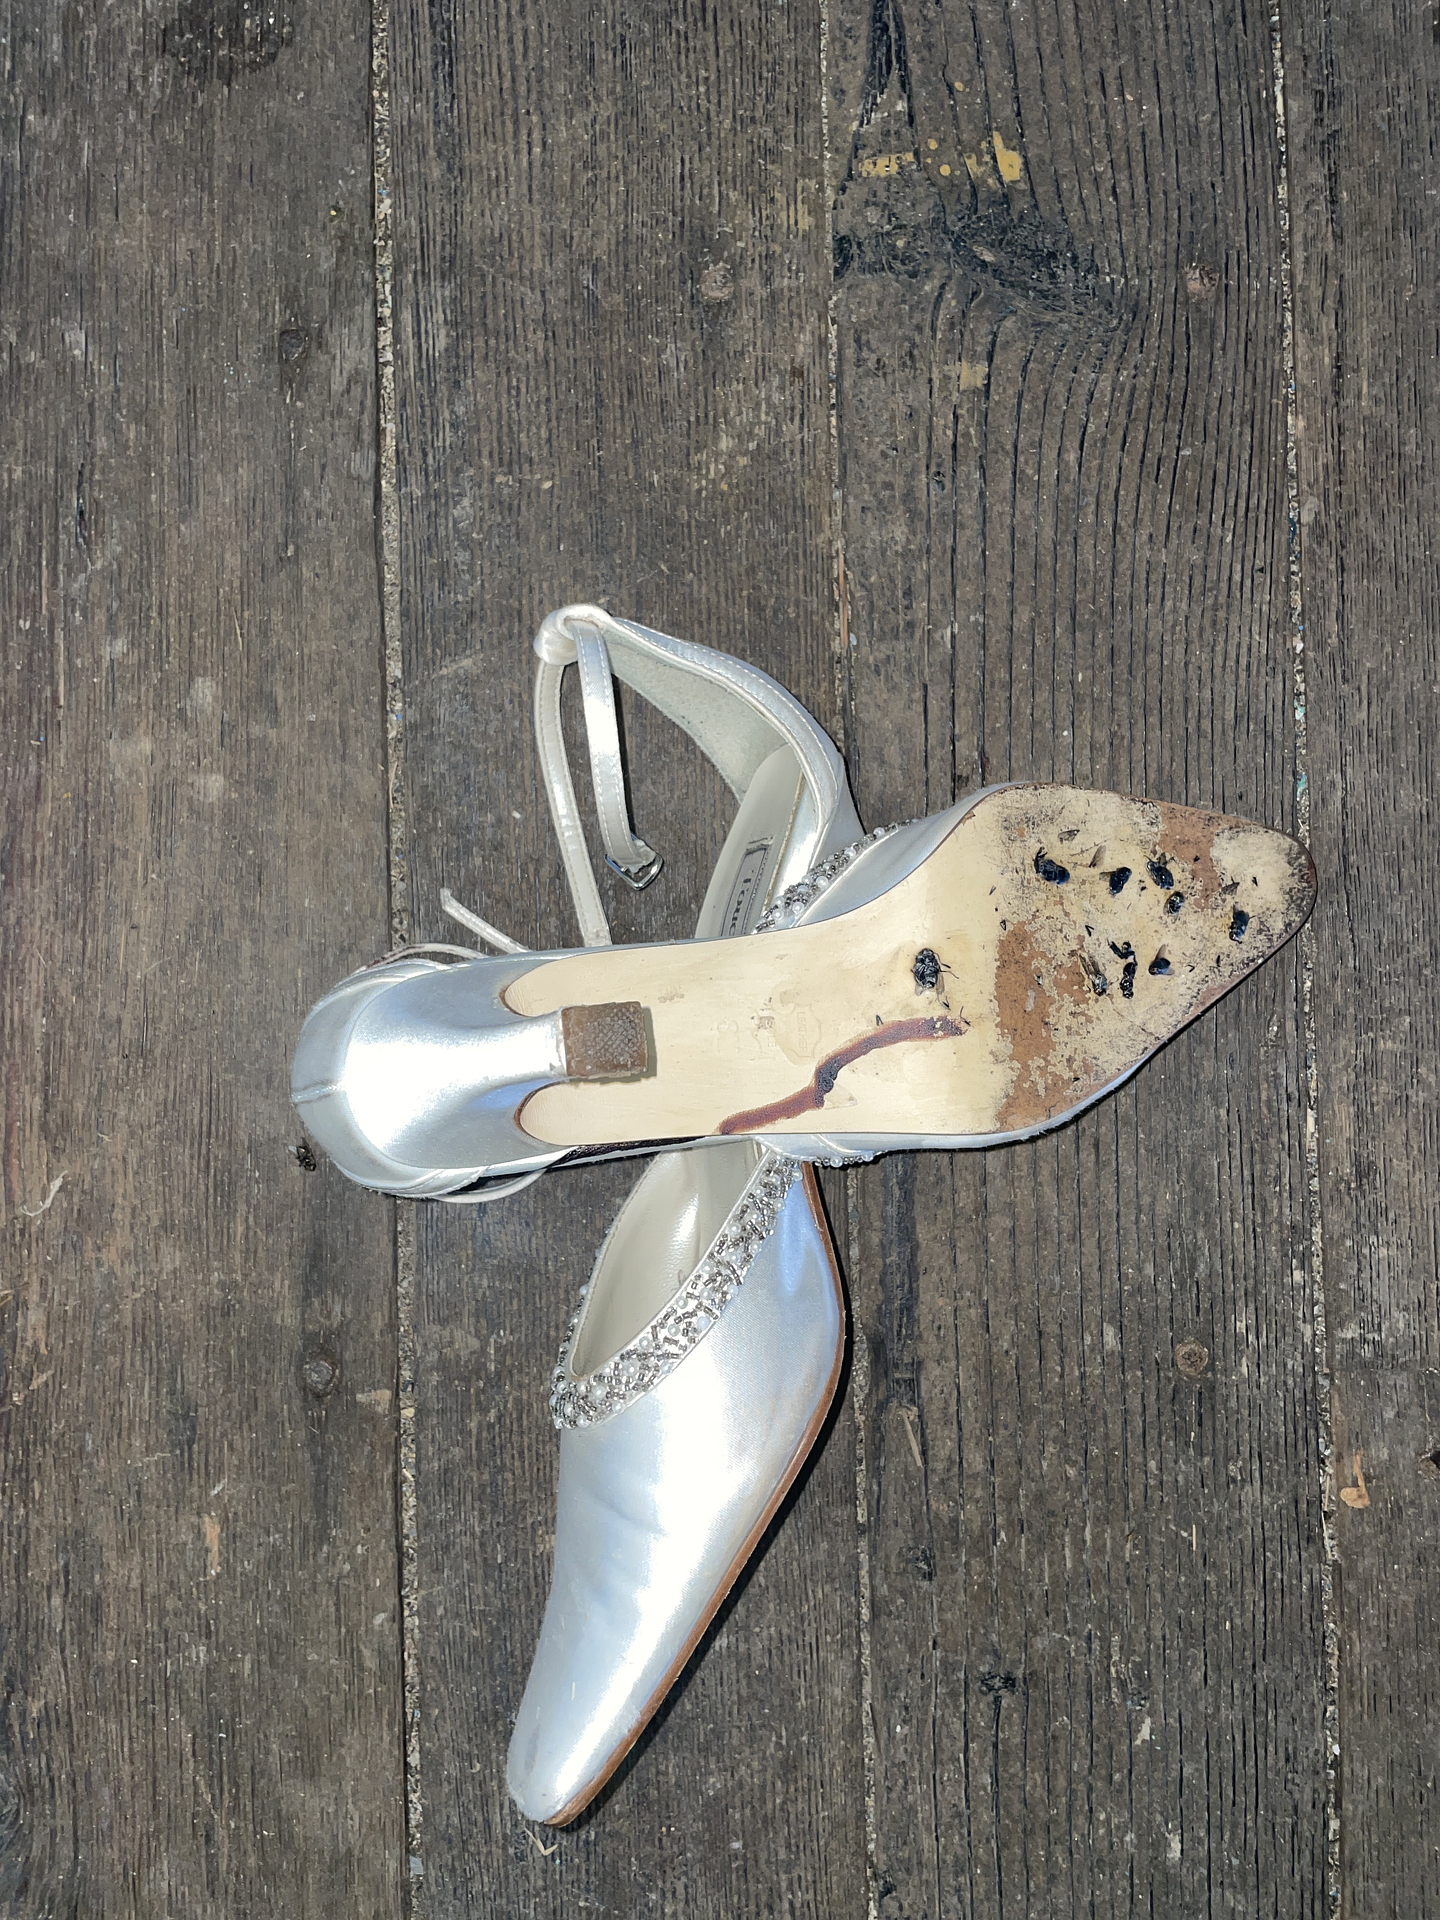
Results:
[974, 977]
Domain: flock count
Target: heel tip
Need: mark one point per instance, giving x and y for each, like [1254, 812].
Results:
[604, 1042]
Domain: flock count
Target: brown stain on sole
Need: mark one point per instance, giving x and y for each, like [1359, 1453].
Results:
[811, 1097]
[1091, 976]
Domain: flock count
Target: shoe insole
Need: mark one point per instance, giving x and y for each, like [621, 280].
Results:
[1045, 948]
[744, 875]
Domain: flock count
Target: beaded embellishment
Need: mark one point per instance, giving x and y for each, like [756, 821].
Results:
[796, 900]
[687, 1316]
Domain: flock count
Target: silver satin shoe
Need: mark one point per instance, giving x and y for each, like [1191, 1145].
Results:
[685, 1412]
[686, 1403]
[385, 1060]
[969, 978]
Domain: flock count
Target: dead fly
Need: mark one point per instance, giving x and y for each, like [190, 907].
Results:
[1095, 975]
[928, 971]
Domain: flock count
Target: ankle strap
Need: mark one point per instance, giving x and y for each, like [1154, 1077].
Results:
[580, 642]
[737, 716]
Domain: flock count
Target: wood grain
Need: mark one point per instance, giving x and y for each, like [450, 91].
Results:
[1363, 98]
[199, 1709]
[1089, 1419]
[1076, 1649]
[612, 381]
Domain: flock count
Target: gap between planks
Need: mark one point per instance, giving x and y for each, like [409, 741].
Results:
[1330, 1678]
[860, 1354]
[398, 849]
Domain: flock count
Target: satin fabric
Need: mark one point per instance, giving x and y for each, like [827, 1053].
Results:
[658, 1503]
[410, 1074]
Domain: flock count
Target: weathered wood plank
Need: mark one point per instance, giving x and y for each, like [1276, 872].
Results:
[1362, 100]
[199, 1708]
[611, 285]
[1095, 1642]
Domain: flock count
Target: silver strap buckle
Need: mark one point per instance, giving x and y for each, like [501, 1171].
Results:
[642, 876]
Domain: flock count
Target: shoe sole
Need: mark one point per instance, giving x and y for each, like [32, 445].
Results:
[576, 1806]
[1047, 947]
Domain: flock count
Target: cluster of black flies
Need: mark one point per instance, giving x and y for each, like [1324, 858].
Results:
[1160, 873]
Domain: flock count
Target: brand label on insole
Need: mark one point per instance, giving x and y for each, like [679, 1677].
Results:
[742, 910]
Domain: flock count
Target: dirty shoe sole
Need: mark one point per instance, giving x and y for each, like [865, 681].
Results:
[1051, 942]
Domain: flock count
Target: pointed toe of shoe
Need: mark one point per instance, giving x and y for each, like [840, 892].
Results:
[1304, 882]
[615, 1625]
[540, 1771]
[661, 1503]
[1111, 922]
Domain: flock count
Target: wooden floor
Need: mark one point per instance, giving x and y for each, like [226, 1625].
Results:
[1039, 391]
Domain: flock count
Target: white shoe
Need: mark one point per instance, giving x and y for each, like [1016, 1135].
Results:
[975, 977]
[685, 1413]
[687, 1403]
[394, 1056]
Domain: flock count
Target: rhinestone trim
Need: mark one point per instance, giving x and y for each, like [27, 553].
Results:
[796, 900]
[687, 1315]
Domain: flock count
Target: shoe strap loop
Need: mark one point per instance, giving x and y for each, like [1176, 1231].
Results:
[576, 638]
[564, 812]
[554, 643]
[624, 851]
